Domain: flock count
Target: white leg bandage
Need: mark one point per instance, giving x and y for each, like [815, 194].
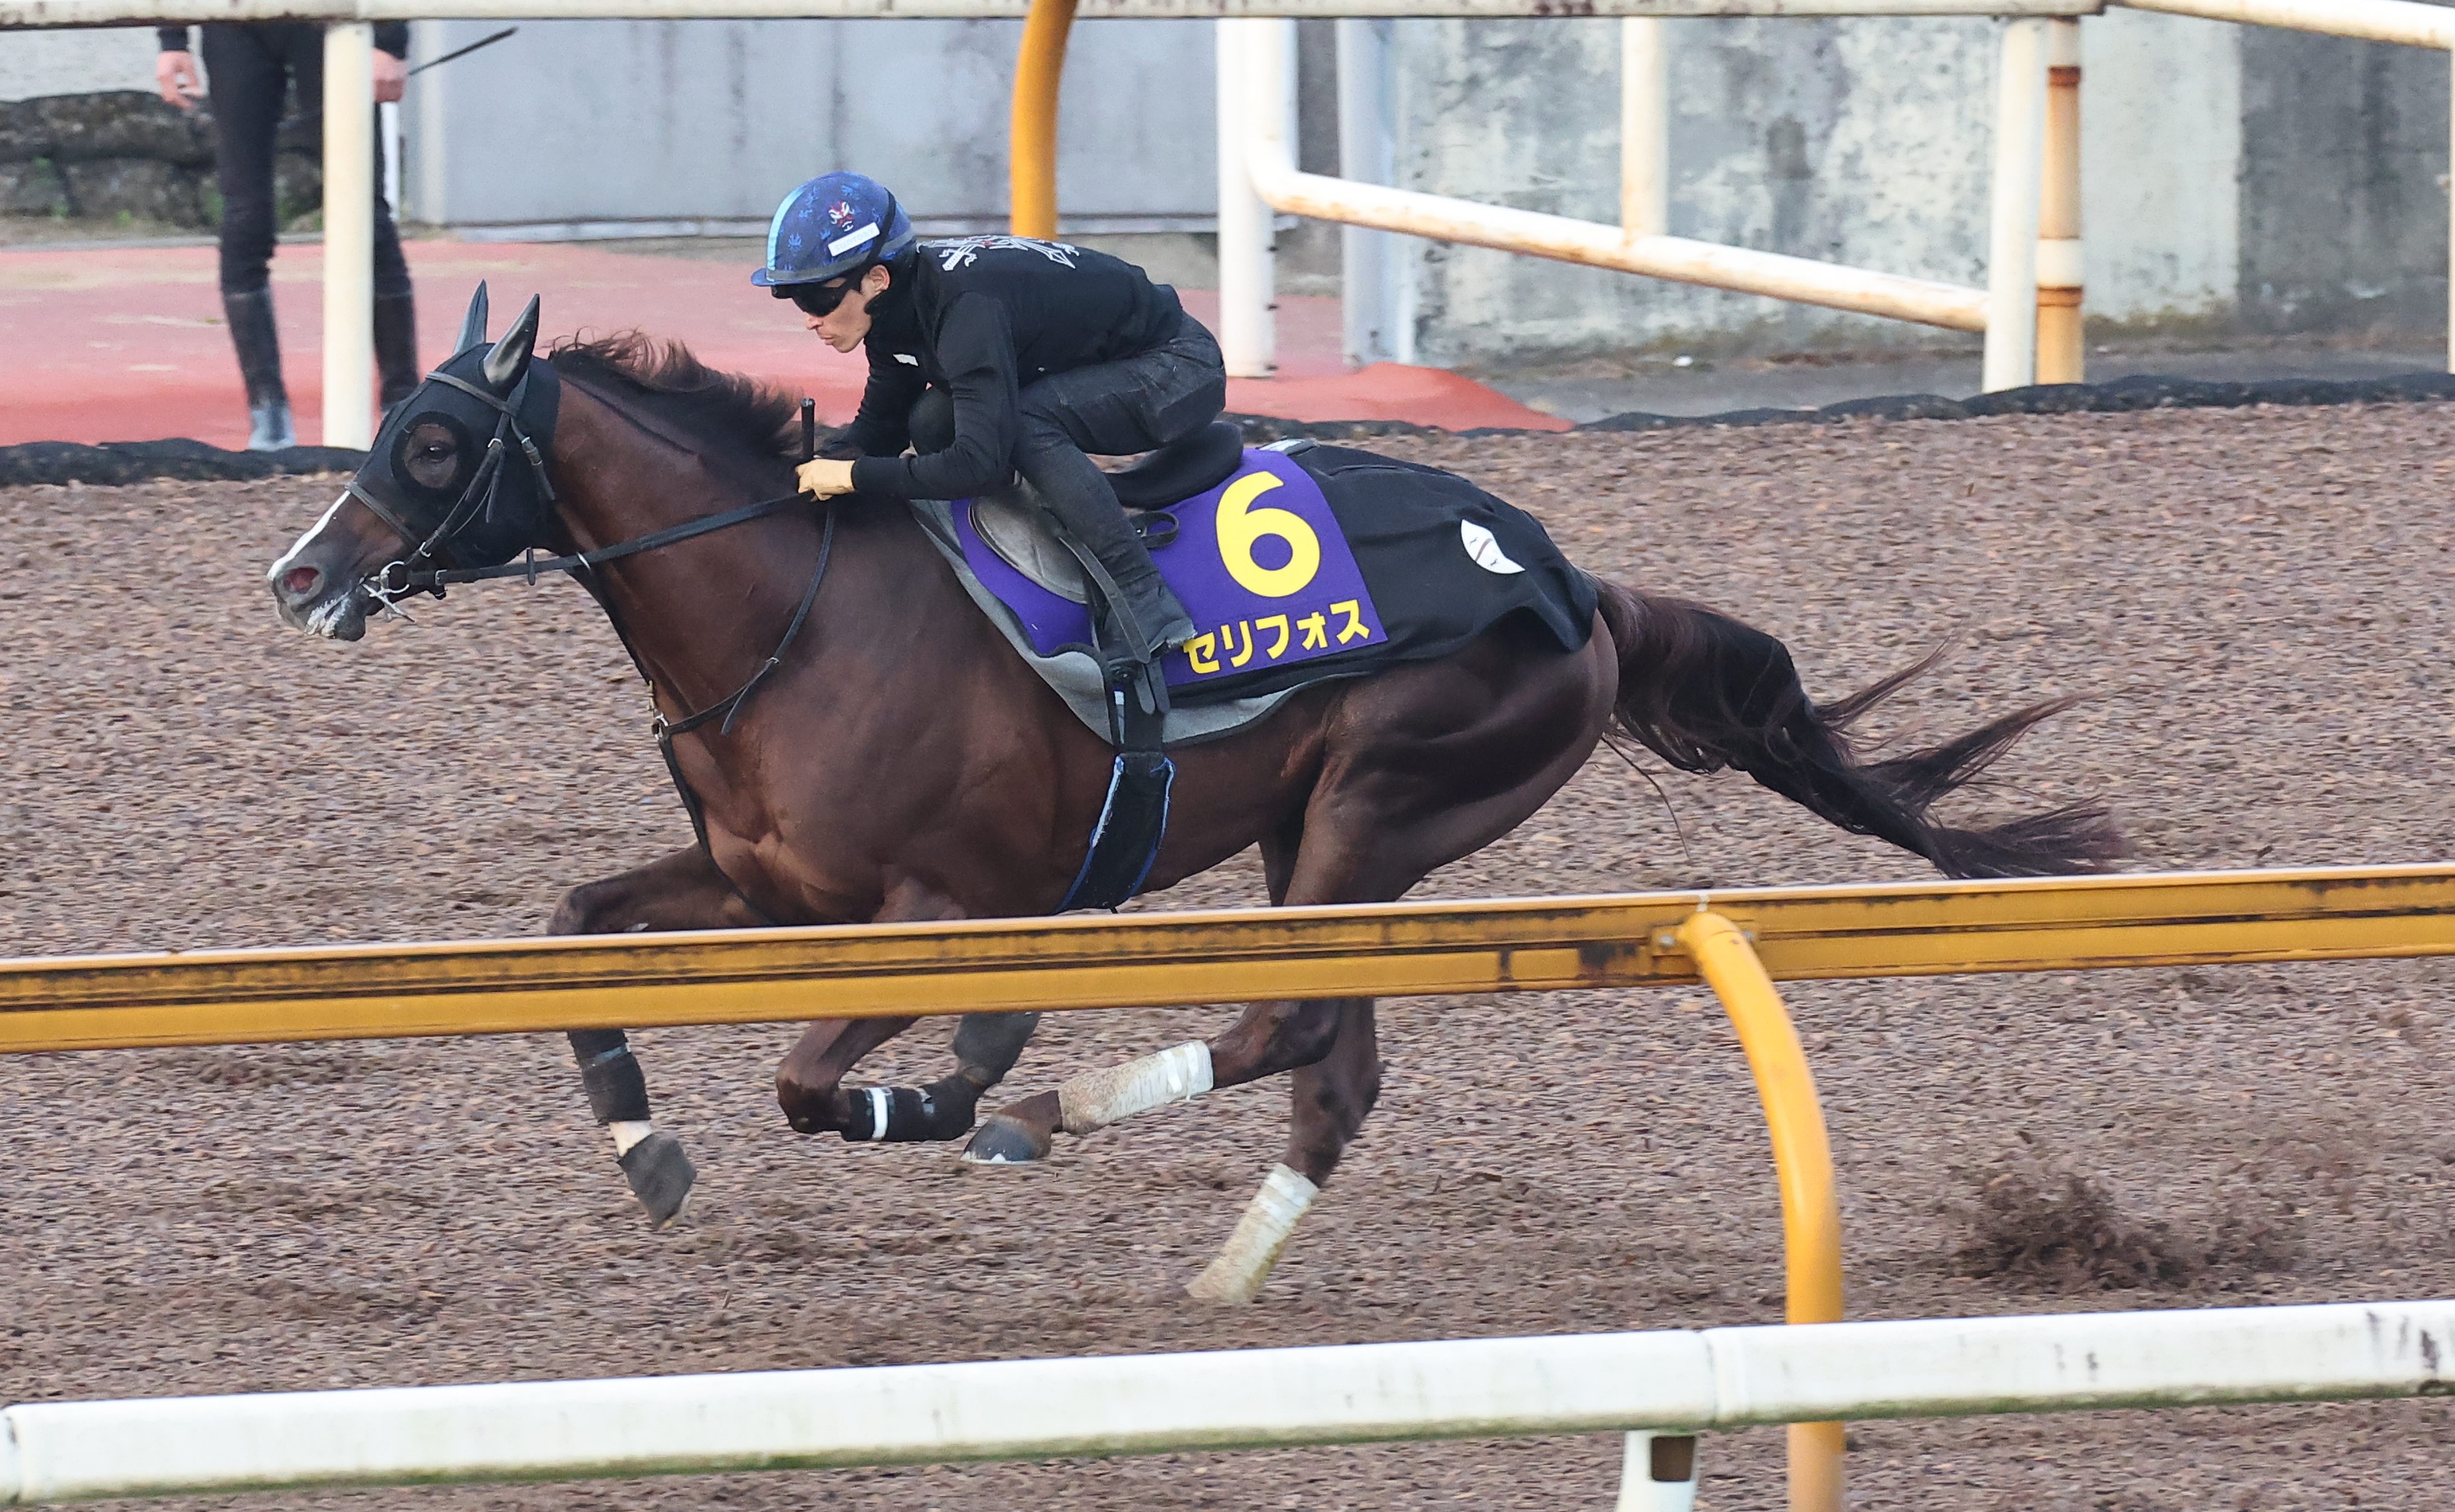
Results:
[1244, 1260]
[627, 1135]
[1100, 1097]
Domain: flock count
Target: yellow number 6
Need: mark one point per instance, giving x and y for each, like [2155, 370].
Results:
[1240, 525]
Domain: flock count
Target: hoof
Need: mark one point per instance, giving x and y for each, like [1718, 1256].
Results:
[1221, 1285]
[660, 1177]
[1005, 1141]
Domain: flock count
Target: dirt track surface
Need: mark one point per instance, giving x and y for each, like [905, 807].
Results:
[2258, 601]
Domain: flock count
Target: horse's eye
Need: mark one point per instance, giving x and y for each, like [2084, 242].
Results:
[432, 456]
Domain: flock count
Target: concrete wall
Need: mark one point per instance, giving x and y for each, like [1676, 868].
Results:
[2234, 180]
[2344, 189]
[586, 125]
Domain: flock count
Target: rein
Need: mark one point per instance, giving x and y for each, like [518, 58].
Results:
[430, 580]
[406, 577]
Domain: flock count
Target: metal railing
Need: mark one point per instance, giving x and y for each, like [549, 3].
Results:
[2030, 311]
[1737, 942]
[1668, 1382]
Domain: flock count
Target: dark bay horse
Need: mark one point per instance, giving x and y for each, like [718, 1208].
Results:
[902, 763]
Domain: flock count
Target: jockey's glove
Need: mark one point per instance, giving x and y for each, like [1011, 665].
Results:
[825, 478]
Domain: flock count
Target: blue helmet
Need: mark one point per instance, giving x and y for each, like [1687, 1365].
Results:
[835, 224]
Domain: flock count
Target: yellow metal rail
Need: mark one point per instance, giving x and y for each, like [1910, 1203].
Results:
[1389, 950]
[1802, 1159]
[1031, 130]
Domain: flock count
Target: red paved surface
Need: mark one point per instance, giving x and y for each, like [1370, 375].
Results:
[128, 344]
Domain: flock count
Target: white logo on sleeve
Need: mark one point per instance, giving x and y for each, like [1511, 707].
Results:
[1485, 550]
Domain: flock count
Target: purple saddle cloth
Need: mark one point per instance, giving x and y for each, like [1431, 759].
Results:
[1260, 562]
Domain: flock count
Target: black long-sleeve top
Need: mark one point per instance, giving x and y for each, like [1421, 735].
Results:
[985, 316]
[391, 36]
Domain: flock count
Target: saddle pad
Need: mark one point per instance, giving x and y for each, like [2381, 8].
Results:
[1323, 563]
[1074, 674]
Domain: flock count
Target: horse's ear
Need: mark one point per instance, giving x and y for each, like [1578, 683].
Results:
[509, 358]
[473, 325]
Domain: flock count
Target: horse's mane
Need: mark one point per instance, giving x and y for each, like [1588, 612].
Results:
[724, 409]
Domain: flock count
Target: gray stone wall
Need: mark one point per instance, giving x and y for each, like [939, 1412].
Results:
[123, 154]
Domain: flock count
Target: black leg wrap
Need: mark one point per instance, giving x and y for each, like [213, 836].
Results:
[941, 1110]
[618, 1089]
[987, 1045]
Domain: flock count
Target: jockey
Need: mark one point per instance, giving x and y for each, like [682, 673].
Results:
[1043, 351]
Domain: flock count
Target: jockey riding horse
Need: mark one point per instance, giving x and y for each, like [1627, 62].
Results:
[1042, 351]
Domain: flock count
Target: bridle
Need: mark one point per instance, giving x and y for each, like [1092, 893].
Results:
[409, 575]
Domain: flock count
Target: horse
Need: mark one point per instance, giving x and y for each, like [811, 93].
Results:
[891, 758]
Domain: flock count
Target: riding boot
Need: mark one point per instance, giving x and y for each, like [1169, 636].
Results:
[258, 346]
[395, 349]
[1144, 613]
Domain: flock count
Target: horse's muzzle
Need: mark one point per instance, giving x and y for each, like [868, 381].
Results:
[313, 587]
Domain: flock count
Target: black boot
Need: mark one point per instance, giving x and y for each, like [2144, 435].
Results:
[258, 344]
[1144, 617]
[396, 369]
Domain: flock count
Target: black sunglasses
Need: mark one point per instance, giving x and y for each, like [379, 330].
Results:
[819, 298]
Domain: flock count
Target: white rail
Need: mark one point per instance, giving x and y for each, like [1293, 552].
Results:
[1257, 92]
[2420, 26]
[1682, 1381]
[1256, 65]
[123, 13]
[350, 235]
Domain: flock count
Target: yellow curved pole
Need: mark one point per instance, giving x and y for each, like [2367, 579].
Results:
[1811, 1210]
[1031, 135]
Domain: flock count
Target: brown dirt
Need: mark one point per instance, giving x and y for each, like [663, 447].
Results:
[2259, 601]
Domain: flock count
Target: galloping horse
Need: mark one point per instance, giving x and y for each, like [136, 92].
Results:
[900, 761]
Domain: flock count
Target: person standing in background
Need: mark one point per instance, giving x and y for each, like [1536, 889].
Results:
[253, 65]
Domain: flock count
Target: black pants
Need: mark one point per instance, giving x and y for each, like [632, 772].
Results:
[249, 69]
[1134, 404]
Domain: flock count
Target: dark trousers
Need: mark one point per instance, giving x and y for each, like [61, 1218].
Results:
[1112, 409]
[250, 67]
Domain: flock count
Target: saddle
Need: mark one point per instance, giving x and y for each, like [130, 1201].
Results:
[1011, 525]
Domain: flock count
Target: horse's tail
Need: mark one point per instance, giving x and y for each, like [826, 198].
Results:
[1704, 691]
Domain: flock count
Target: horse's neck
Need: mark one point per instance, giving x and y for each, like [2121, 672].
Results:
[701, 616]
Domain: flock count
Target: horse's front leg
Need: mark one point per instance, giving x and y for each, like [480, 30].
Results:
[809, 1086]
[680, 891]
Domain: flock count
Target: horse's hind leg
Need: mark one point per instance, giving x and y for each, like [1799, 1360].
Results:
[809, 1084]
[1332, 1098]
[680, 891]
